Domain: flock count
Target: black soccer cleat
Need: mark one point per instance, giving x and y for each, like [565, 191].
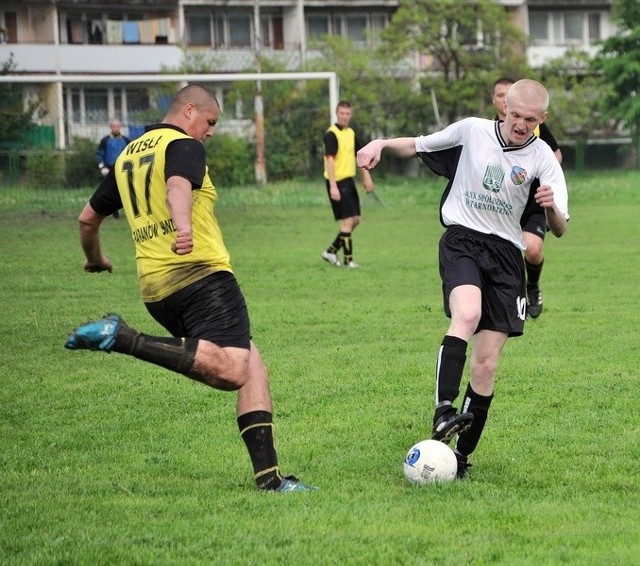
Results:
[450, 424]
[534, 301]
[463, 466]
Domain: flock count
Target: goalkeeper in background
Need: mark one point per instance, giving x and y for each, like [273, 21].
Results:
[109, 148]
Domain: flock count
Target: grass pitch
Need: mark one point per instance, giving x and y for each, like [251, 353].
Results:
[108, 460]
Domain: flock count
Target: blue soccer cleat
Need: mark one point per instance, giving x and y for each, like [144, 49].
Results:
[98, 335]
[291, 483]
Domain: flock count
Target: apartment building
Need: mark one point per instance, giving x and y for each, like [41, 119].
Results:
[85, 58]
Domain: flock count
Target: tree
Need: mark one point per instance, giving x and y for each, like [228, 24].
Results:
[16, 119]
[574, 96]
[618, 64]
[382, 92]
[468, 43]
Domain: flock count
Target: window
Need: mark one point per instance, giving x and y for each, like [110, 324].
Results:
[565, 28]
[271, 31]
[239, 30]
[356, 27]
[538, 28]
[594, 28]
[96, 105]
[378, 22]
[317, 26]
[222, 29]
[199, 29]
[573, 27]
[137, 100]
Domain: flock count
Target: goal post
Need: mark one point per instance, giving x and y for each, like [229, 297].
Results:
[60, 80]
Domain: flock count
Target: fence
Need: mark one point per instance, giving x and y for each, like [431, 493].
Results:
[611, 153]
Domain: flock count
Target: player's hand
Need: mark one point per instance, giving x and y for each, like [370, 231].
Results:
[369, 156]
[97, 267]
[544, 196]
[183, 244]
[334, 193]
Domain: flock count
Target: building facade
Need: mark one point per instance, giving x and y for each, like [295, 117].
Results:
[82, 57]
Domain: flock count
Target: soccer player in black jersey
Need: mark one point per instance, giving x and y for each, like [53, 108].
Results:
[161, 181]
[534, 226]
[490, 167]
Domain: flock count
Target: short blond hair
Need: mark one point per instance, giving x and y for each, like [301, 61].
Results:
[529, 91]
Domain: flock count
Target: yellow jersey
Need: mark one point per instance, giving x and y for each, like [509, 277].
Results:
[345, 158]
[140, 175]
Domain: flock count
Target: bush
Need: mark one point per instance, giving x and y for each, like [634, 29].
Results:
[45, 169]
[230, 161]
[81, 168]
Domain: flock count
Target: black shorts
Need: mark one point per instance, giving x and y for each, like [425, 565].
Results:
[491, 264]
[535, 224]
[533, 219]
[349, 203]
[211, 309]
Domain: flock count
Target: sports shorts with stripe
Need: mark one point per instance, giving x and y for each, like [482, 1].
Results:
[492, 264]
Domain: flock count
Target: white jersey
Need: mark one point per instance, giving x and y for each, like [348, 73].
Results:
[489, 181]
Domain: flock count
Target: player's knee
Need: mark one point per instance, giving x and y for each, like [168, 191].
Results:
[534, 255]
[230, 383]
[482, 374]
[469, 319]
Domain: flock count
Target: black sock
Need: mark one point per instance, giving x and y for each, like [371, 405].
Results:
[478, 405]
[176, 354]
[335, 246]
[533, 273]
[347, 245]
[451, 359]
[256, 429]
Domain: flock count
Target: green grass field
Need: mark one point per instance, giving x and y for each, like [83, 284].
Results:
[108, 460]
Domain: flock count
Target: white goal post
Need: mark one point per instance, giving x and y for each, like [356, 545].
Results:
[60, 80]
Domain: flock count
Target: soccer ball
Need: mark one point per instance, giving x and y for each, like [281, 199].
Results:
[430, 461]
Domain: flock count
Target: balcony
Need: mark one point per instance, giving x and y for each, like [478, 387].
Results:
[537, 56]
[69, 59]
[136, 59]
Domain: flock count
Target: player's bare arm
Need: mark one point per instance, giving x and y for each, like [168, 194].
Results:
[89, 222]
[367, 181]
[555, 219]
[180, 203]
[369, 156]
[334, 193]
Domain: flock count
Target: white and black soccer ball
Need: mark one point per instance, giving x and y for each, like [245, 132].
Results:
[430, 461]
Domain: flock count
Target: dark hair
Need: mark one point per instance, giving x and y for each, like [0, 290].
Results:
[344, 104]
[502, 81]
[196, 94]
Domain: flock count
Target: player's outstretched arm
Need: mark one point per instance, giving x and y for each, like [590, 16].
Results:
[369, 156]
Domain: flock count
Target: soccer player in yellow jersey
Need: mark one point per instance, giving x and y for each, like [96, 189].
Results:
[340, 146]
[161, 181]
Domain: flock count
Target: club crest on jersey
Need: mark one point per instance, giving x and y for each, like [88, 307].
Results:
[493, 177]
[518, 175]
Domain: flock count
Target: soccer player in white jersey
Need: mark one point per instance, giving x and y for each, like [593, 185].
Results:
[490, 167]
